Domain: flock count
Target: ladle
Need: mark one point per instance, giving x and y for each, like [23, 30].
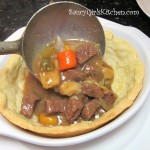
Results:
[69, 20]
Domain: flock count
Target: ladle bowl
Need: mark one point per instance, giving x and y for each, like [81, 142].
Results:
[68, 20]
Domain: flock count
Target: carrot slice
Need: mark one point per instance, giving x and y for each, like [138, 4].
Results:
[67, 60]
[48, 120]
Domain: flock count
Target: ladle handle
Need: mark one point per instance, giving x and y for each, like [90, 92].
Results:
[10, 47]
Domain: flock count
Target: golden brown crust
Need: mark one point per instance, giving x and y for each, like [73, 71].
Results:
[129, 73]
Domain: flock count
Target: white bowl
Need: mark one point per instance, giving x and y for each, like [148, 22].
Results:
[140, 43]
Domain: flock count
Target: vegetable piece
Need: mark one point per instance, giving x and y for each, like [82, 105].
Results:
[50, 79]
[48, 120]
[108, 73]
[46, 64]
[69, 88]
[67, 47]
[59, 45]
[67, 60]
[107, 83]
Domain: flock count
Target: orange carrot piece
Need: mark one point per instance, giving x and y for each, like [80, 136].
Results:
[67, 60]
[48, 120]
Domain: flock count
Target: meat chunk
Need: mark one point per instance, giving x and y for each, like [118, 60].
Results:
[92, 90]
[93, 71]
[71, 75]
[74, 107]
[85, 52]
[55, 106]
[28, 103]
[110, 97]
[108, 100]
[90, 108]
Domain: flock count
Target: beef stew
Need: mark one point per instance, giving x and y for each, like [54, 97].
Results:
[73, 83]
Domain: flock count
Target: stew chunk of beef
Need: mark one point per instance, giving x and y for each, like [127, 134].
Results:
[108, 100]
[55, 106]
[110, 97]
[90, 108]
[74, 107]
[71, 75]
[28, 103]
[85, 52]
[92, 90]
[93, 71]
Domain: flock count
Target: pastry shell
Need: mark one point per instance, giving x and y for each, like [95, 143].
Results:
[127, 83]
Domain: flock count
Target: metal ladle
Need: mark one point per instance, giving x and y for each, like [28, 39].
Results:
[68, 20]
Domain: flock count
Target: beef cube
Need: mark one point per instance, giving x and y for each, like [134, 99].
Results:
[74, 107]
[55, 106]
[90, 108]
[92, 90]
[71, 75]
[93, 71]
[28, 103]
[108, 100]
[85, 52]
[86, 99]
[110, 97]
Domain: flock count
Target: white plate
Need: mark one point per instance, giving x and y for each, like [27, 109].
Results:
[134, 134]
[145, 6]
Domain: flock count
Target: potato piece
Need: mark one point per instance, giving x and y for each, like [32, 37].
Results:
[50, 79]
[108, 73]
[69, 88]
